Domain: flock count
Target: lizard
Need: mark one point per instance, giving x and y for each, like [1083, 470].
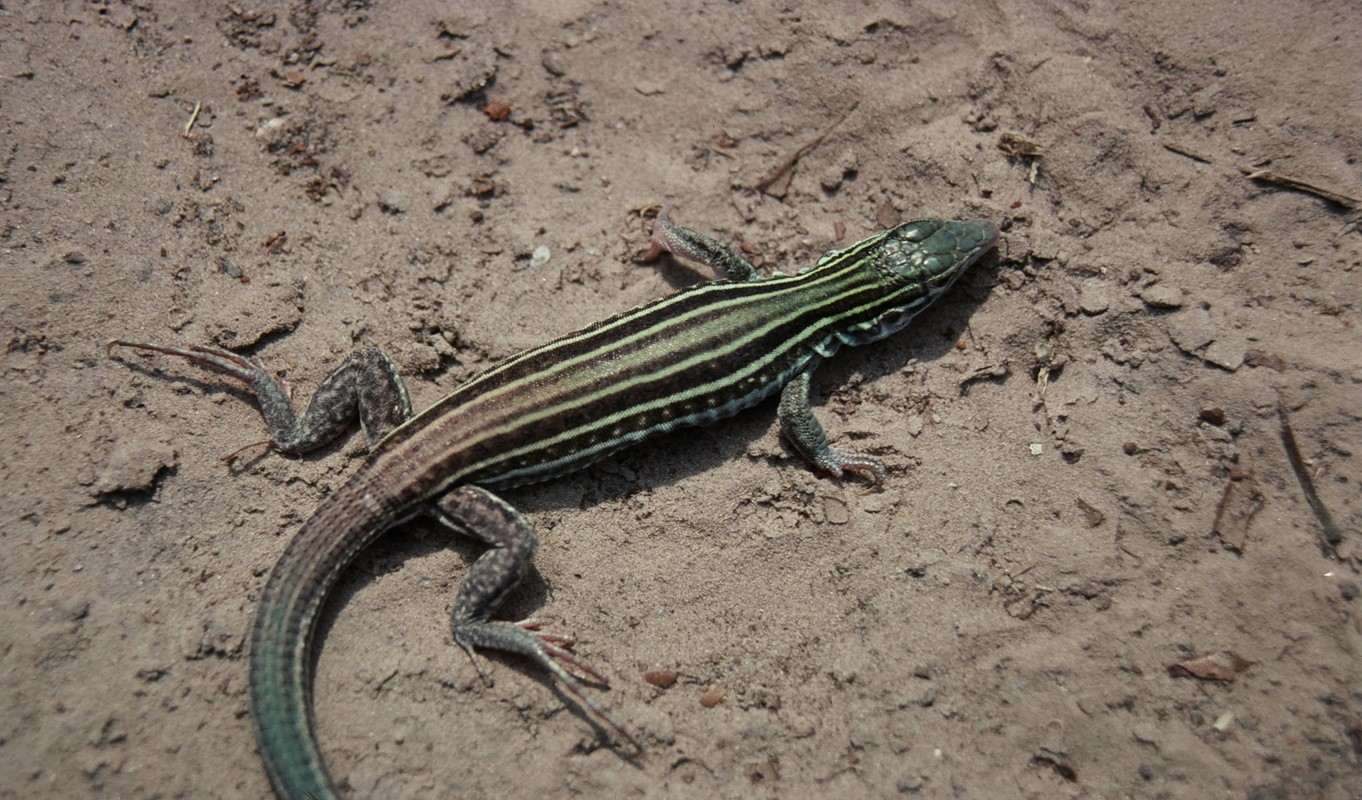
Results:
[693, 357]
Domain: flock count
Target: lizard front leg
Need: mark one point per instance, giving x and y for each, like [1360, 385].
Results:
[477, 512]
[801, 428]
[366, 386]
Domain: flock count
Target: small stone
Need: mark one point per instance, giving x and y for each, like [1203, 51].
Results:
[830, 180]
[553, 64]
[835, 511]
[910, 784]
[272, 133]
[540, 256]
[1161, 296]
[497, 111]
[483, 139]
[713, 696]
[1227, 353]
[1212, 416]
[661, 677]
[473, 80]
[1191, 330]
[864, 737]
[133, 467]
[392, 201]
[1093, 300]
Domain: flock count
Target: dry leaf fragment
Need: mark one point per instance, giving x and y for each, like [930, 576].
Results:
[1018, 146]
[1221, 665]
[482, 187]
[1056, 761]
[1260, 358]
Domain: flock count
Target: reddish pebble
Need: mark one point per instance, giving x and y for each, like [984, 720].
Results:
[713, 696]
[661, 678]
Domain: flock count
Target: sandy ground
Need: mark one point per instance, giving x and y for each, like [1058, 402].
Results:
[1088, 481]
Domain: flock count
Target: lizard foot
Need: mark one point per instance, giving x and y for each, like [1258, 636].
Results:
[550, 651]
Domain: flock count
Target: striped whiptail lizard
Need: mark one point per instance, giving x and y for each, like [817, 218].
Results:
[696, 356]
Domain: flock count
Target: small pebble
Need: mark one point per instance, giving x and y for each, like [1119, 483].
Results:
[1161, 296]
[661, 678]
[392, 201]
[713, 696]
[540, 256]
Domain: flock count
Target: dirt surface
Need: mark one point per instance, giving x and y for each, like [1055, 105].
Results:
[1088, 482]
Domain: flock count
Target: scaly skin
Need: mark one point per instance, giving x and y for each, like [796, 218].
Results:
[694, 357]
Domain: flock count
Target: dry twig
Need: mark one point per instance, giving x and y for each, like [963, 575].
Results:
[784, 167]
[1277, 179]
[1333, 536]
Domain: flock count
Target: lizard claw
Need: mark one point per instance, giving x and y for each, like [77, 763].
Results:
[552, 653]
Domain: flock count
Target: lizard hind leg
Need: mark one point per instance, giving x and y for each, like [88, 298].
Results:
[365, 385]
[479, 513]
[680, 241]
